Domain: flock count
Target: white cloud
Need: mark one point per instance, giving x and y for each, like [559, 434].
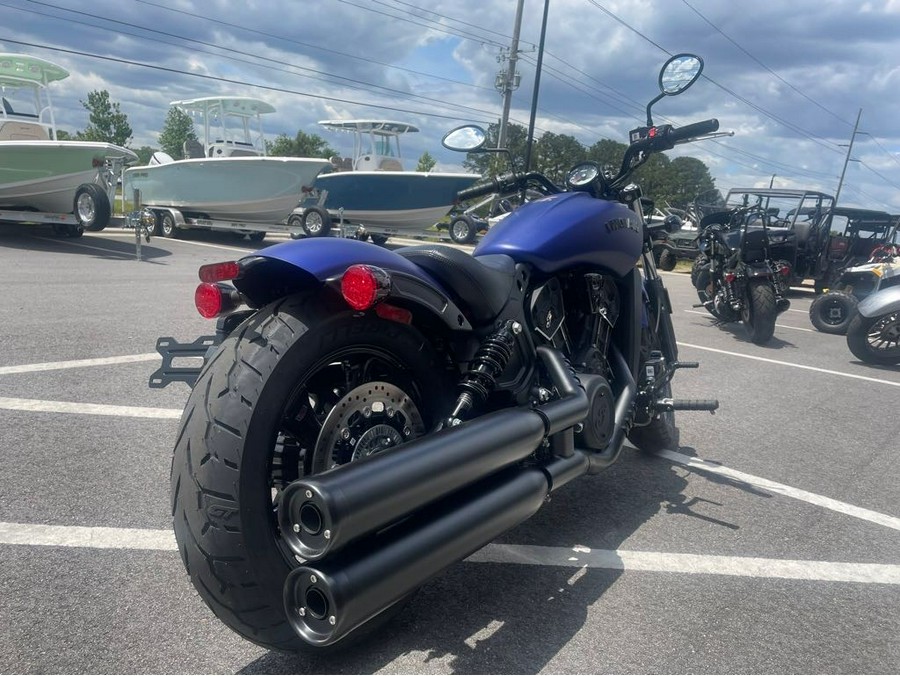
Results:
[788, 78]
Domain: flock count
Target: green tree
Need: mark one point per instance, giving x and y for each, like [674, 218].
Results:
[554, 154]
[63, 135]
[426, 162]
[178, 128]
[302, 145]
[492, 164]
[107, 122]
[144, 154]
[692, 178]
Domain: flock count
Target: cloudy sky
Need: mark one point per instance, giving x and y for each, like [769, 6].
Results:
[788, 78]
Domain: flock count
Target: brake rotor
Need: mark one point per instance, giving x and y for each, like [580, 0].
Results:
[367, 420]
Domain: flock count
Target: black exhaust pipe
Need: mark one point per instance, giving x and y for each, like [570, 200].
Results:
[327, 600]
[320, 515]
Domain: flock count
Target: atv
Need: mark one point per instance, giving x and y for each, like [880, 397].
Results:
[833, 311]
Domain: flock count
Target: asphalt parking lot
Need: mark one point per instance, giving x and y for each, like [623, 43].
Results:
[768, 543]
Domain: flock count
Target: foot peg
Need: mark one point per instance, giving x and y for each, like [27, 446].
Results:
[687, 405]
[686, 365]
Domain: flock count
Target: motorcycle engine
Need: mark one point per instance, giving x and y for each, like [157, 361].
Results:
[576, 314]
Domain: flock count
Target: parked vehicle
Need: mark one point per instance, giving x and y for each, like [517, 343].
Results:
[850, 237]
[737, 274]
[369, 194]
[226, 181]
[832, 311]
[679, 240]
[666, 248]
[873, 334]
[69, 184]
[375, 416]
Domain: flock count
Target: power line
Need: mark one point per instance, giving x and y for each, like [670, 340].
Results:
[732, 41]
[416, 23]
[448, 18]
[744, 100]
[361, 84]
[309, 45]
[215, 78]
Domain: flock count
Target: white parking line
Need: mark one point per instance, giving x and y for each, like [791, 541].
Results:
[574, 557]
[691, 564]
[41, 406]
[788, 491]
[79, 363]
[880, 381]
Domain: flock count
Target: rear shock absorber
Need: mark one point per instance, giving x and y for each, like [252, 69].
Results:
[486, 366]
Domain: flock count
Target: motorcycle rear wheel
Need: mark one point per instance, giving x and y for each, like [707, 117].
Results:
[251, 426]
[759, 311]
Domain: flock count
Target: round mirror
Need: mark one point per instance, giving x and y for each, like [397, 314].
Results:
[679, 73]
[467, 138]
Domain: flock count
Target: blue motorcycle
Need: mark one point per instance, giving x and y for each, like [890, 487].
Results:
[367, 417]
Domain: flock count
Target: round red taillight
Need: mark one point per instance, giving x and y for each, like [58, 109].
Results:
[362, 286]
[208, 299]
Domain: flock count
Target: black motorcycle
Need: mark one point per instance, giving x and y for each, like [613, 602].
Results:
[372, 416]
[736, 274]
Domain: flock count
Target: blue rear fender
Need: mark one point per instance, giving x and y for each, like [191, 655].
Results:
[313, 264]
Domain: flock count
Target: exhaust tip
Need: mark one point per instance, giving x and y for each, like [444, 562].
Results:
[310, 518]
[316, 604]
[310, 608]
[305, 522]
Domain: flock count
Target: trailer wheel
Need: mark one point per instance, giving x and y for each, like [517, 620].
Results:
[165, 224]
[463, 229]
[316, 222]
[91, 207]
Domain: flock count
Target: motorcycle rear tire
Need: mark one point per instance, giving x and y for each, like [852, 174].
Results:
[759, 312]
[233, 451]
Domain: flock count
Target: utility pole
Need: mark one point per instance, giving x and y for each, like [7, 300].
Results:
[537, 87]
[507, 82]
[847, 159]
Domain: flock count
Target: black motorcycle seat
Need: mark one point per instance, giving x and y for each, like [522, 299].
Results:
[481, 285]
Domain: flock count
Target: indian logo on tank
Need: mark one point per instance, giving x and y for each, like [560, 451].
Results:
[614, 224]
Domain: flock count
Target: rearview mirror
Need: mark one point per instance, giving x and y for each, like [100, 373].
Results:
[467, 138]
[676, 75]
[679, 73]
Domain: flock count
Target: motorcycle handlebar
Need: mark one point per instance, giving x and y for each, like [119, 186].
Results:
[506, 183]
[693, 130]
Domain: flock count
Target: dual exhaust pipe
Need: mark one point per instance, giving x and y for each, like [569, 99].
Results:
[374, 530]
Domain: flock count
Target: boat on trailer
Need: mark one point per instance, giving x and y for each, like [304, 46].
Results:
[226, 180]
[69, 184]
[370, 191]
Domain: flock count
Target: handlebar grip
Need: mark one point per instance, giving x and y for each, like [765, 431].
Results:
[693, 130]
[478, 190]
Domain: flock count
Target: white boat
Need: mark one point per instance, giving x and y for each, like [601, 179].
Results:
[40, 174]
[226, 175]
[372, 189]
